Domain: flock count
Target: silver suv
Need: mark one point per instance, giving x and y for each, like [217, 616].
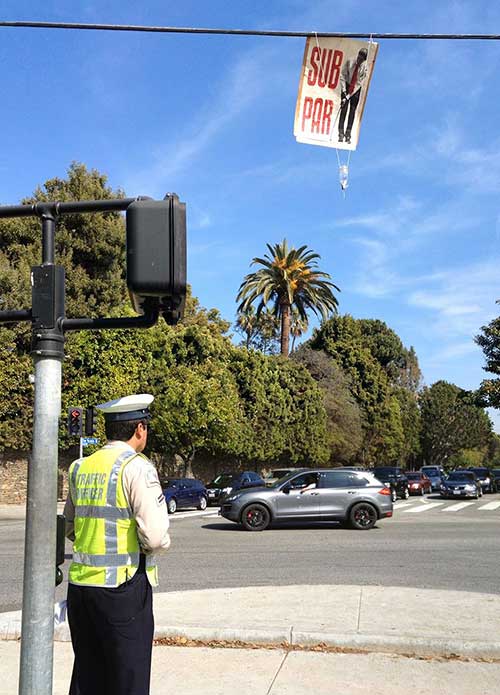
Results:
[356, 497]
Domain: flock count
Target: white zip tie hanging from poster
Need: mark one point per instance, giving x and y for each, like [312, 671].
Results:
[343, 166]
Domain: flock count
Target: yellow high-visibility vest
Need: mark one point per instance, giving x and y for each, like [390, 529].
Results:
[106, 548]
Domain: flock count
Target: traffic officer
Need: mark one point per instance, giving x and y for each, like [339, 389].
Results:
[117, 518]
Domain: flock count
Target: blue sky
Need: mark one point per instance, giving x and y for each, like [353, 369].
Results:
[415, 242]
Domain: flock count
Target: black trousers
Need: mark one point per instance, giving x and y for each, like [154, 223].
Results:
[351, 105]
[112, 635]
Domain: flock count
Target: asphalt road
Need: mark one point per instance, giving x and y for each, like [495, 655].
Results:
[429, 543]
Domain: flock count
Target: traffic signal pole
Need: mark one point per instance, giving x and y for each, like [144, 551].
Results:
[49, 322]
[41, 507]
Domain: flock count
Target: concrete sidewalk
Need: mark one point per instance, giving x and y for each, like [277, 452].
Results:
[364, 618]
[391, 641]
[203, 671]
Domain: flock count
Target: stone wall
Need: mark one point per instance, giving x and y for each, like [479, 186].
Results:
[14, 476]
[14, 472]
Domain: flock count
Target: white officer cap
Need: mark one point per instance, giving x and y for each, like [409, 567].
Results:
[127, 408]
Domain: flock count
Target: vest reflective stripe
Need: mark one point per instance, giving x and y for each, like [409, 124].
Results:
[91, 511]
[110, 527]
[116, 560]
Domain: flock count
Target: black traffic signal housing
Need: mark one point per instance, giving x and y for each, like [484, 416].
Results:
[90, 421]
[156, 255]
[75, 422]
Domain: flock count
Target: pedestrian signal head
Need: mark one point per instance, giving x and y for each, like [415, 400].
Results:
[156, 255]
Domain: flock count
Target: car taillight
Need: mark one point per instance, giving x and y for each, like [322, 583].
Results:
[384, 491]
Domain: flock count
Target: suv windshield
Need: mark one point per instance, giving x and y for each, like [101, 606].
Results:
[483, 472]
[385, 472]
[223, 480]
[430, 471]
[413, 476]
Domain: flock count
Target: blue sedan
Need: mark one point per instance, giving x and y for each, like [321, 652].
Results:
[184, 493]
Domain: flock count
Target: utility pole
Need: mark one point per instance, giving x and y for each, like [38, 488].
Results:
[156, 275]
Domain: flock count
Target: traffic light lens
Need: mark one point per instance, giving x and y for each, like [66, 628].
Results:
[75, 422]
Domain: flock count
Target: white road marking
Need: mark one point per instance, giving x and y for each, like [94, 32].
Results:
[423, 508]
[457, 507]
[400, 505]
[490, 506]
[187, 515]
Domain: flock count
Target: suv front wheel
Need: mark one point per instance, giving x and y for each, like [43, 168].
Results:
[363, 516]
[255, 517]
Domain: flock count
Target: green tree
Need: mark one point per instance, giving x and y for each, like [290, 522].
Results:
[261, 332]
[377, 365]
[283, 407]
[288, 277]
[345, 425]
[411, 423]
[199, 409]
[451, 421]
[298, 326]
[400, 364]
[489, 341]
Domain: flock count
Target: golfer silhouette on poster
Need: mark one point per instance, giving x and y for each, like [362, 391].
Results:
[352, 76]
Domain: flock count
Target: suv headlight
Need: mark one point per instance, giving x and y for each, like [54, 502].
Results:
[227, 490]
[470, 487]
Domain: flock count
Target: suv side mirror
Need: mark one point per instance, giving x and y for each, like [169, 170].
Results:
[286, 489]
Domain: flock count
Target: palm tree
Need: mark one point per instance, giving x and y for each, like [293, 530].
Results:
[298, 326]
[246, 322]
[289, 278]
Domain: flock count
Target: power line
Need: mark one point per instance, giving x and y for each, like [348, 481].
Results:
[246, 32]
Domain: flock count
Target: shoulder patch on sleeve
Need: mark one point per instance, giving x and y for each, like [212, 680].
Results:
[160, 499]
[152, 477]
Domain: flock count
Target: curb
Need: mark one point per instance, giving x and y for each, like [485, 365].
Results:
[406, 645]
[10, 629]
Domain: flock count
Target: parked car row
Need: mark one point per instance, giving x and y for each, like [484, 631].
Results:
[433, 478]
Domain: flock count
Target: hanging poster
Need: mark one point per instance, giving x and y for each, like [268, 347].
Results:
[336, 73]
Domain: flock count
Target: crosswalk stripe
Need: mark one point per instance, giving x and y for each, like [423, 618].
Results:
[490, 506]
[457, 507]
[188, 515]
[402, 504]
[423, 508]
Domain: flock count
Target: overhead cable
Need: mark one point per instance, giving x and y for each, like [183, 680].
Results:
[246, 32]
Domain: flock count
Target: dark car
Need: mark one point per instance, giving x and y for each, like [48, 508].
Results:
[419, 483]
[435, 475]
[461, 484]
[182, 493]
[225, 483]
[485, 477]
[353, 497]
[495, 473]
[395, 478]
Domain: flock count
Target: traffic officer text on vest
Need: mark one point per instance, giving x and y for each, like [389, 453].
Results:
[117, 519]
